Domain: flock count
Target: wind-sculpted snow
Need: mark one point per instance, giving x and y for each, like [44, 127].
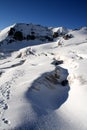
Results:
[45, 95]
[47, 92]
[43, 86]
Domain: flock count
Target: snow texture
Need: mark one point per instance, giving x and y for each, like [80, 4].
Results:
[43, 84]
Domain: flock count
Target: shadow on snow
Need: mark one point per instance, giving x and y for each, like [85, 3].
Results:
[46, 94]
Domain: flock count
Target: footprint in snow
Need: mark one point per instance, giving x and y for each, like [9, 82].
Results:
[5, 107]
[6, 121]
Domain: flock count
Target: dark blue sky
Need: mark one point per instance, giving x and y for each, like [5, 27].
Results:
[67, 13]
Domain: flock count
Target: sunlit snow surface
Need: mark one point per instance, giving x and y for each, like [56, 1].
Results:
[33, 95]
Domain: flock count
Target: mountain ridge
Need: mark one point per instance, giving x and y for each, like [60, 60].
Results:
[29, 28]
[23, 35]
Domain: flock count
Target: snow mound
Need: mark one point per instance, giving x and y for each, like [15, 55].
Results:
[26, 52]
[50, 90]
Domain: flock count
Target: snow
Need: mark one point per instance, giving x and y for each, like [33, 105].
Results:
[28, 28]
[4, 33]
[60, 30]
[34, 92]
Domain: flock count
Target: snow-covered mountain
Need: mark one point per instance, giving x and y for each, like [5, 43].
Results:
[28, 33]
[43, 78]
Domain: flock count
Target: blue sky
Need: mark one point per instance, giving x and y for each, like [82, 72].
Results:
[67, 13]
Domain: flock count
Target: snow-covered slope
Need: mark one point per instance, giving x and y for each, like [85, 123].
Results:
[43, 87]
[4, 33]
[60, 30]
[79, 37]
